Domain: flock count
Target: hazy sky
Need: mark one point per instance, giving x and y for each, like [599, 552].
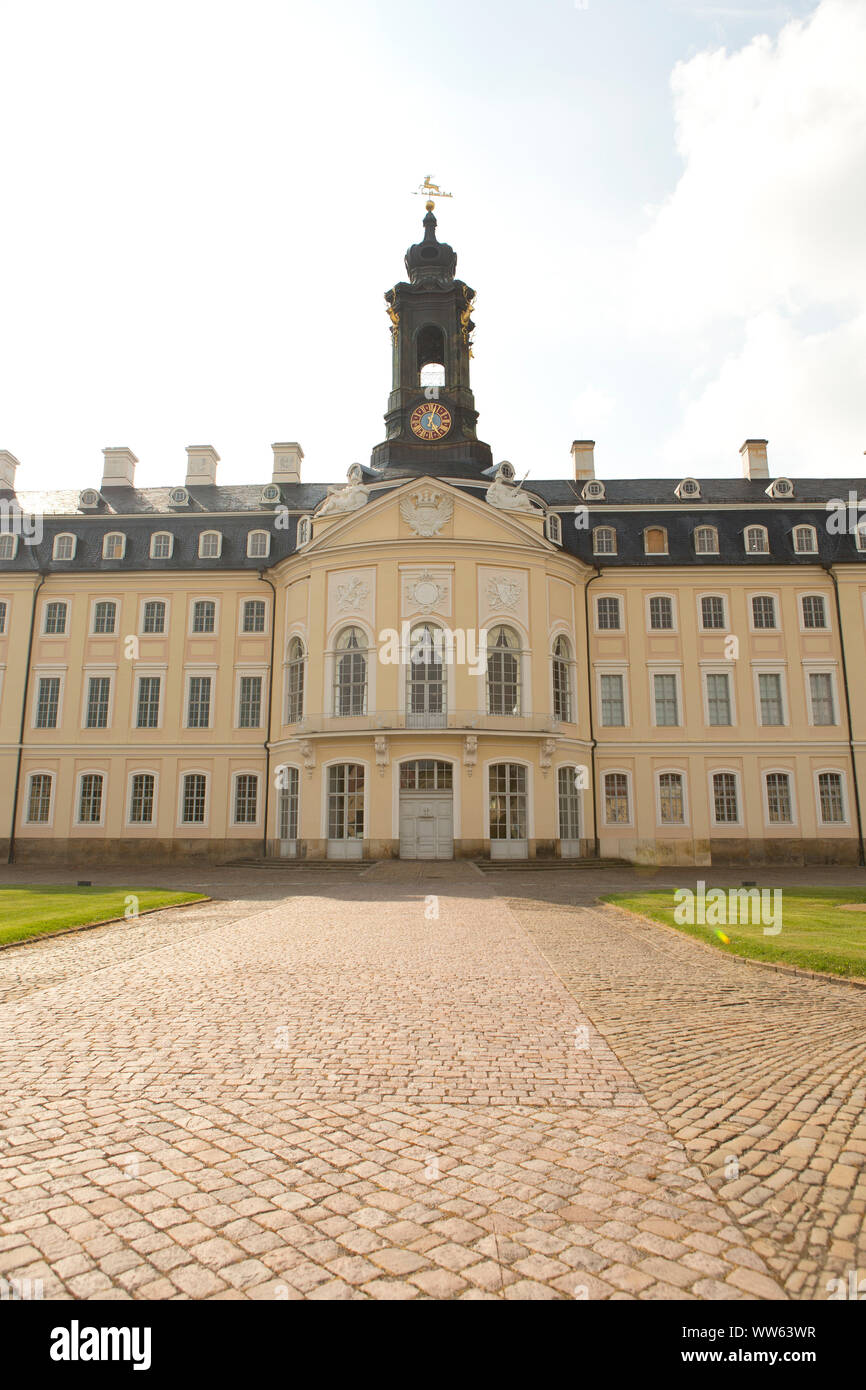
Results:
[661, 204]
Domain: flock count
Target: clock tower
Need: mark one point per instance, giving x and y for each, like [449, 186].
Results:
[430, 422]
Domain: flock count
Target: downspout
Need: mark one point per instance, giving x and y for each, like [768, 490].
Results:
[593, 741]
[265, 580]
[830, 571]
[10, 859]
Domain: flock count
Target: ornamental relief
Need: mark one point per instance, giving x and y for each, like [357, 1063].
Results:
[351, 593]
[427, 591]
[502, 594]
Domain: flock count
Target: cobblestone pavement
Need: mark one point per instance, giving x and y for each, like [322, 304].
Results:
[319, 1089]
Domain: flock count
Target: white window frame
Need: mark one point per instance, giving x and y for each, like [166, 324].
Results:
[259, 776]
[713, 593]
[813, 593]
[738, 782]
[108, 673]
[261, 671]
[7, 617]
[143, 827]
[243, 600]
[595, 531]
[571, 664]
[38, 825]
[303, 532]
[325, 794]
[530, 790]
[771, 668]
[802, 526]
[143, 602]
[49, 672]
[203, 598]
[55, 636]
[604, 772]
[91, 629]
[704, 526]
[64, 536]
[143, 671]
[719, 668]
[199, 825]
[267, 551]
[779, 825]
[90, 772]
[681, 772]
[110, 535]
[189, 673]
[201, 540]
[821, 668]
[665, 669]
[756, 526]
[153, 539]
[777, 611]
[15, 538]
[841, 772]
[612, 668]
[607, 631]
[675, 616]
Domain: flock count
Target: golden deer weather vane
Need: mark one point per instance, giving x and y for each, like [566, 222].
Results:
[428, 188]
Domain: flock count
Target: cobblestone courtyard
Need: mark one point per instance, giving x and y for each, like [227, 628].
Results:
[314, 1087]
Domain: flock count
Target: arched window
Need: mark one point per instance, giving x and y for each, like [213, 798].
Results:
[64, 546]
[345, 810]
[706, 540]
[350, 673]
[304, 532]
[425, 679]
[210, 544]
[508, 818]
[562, 680]
[258, 545]
[430, 346]
[104, 616]
[295, 683]
[805, 540]
[503, 671]
[756, 540]
[655, 541]
[604, 540]
[554, 528]
[161, 545]
[860, 534]
[114, 546]
[204, 615]
[8, 545]
[568, 796]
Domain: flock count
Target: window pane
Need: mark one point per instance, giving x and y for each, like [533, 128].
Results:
[661, 613]
[763, 611]
[98, 691]
[718, 699]
[254, 615]
[671, 798]
[830, 795]
[770, 690]
[821, 690]
[665, 692]
[90, 799]
[39, 799]
[814, 611]
[194, 792]
[47, 702]
[250, 704]
[141, 798]
[612, 702]
[198, 712]
[608, 613]
[725, 797]
[779, 797]
[713, 612]
[616, 810]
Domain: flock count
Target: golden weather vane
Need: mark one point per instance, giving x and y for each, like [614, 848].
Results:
[428, 188]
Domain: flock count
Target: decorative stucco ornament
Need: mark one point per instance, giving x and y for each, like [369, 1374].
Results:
[426, 513]
[352, 595]
[502, 593]
[348, 498]
[503, 493]
[425, 593]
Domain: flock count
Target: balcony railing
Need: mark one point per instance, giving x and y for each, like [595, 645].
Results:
[463, 721]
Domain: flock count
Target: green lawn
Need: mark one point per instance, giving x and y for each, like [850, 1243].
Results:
[816, 932]
[33, 911]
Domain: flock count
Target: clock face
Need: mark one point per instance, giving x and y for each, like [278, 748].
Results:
[432, 421]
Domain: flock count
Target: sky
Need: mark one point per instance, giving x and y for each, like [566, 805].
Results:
[661, 204]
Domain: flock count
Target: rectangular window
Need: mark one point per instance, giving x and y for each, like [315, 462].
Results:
[254, 615]
[770, 692]
[4, 608]
[671, 800]
[47, 702]
[607, 611]
[141, 798]
[616, 809]
[763, 611]
[814, 611]
[153, 617]
[779, 798]
[661, 613]
[830, 797]
[147, 713]
[198, 707]
[250, 702]
[719, 699]
[665, 696]
[204, 616]
[90, 799]
[104, 615]
[612, 702]
[194, 798]
[725, 798]
[98, 693]
[55, 618]
[821, 692]
[246, 799]
[39, 799]
[713, 613]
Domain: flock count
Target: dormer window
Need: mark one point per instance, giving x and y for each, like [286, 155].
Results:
[604, 540]
[210, 544]
[756, 540]
[706, 540]
[8, 545]
[178, 497]
[780, 487]
[305, 531]
[64, 546]
[688, 489]
[805, 540]
[161, 545]
[270, 493]
[88, 499]
[655, 541]
[258, 545]
[593, 491]
[114, 546]
[554, 529]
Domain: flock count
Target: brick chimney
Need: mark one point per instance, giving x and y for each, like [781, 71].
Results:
[287, 463]
[8, 464]
[754, 456]
[118, 469]
[583, 453]
[201, 465]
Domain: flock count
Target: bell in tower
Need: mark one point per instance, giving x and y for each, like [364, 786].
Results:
[430, 422]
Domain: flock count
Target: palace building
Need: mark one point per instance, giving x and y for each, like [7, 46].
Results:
[432, 659]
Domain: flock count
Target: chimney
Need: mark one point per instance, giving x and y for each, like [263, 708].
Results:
[583, 453]
[8, 464]
[287, 463]
[754, 456]
[118, 470]
[201, 465]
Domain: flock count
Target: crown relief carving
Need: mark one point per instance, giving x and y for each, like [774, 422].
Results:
[425, 512]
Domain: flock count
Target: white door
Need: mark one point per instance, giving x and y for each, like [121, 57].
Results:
[426, 826]
[508, 811]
